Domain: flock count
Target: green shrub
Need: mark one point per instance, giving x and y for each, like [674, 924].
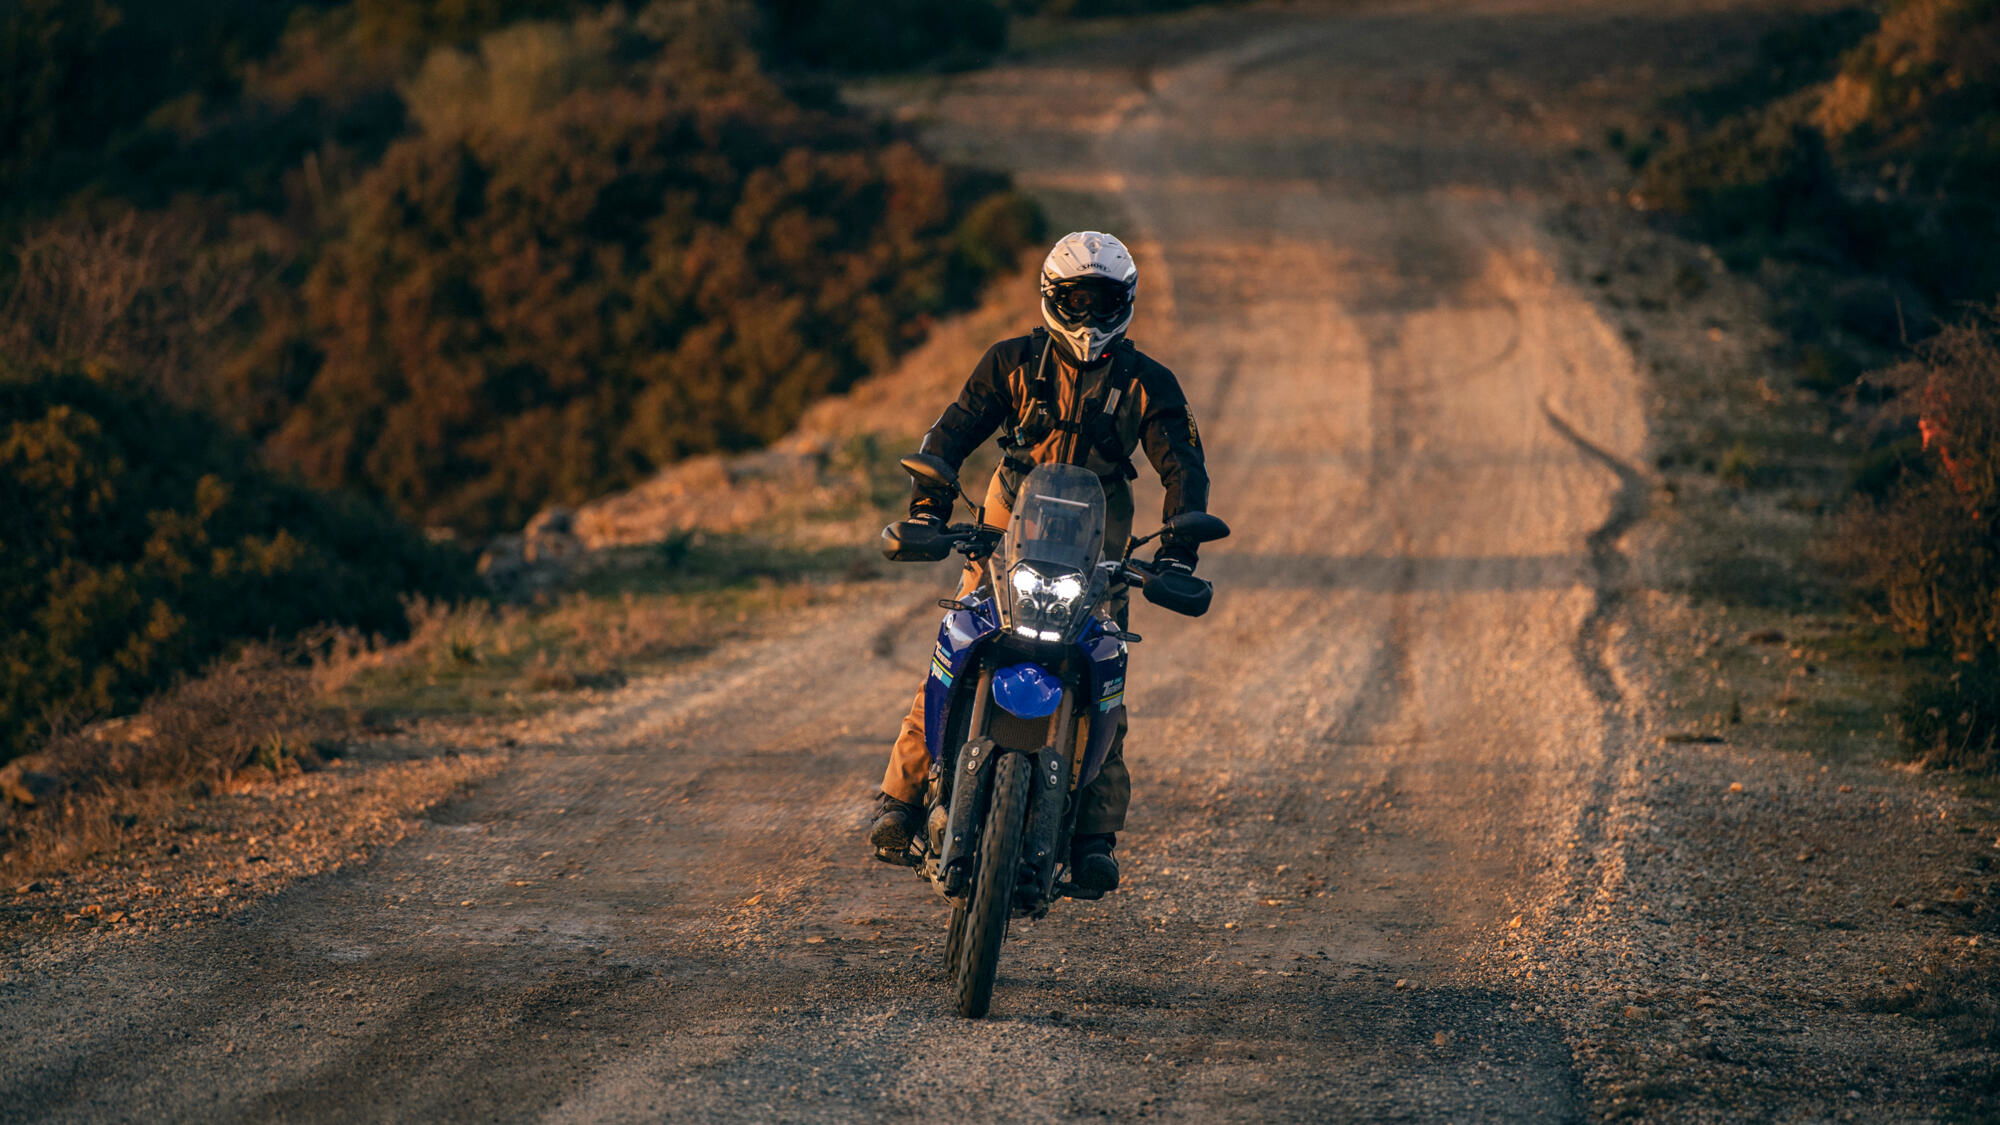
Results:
[1931, 551]
[1928, 551]
[1855, 144]
[137, 542]
[571, 279]
[80, 76]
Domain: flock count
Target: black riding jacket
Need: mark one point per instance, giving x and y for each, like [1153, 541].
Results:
[1046, 410]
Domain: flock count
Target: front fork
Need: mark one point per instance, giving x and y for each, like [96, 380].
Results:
[968, 786]
[1048, 815]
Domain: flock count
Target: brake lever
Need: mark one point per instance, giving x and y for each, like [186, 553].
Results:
[1135, 573]
[977, 543]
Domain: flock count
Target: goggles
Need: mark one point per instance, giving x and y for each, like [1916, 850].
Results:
[1091, 299]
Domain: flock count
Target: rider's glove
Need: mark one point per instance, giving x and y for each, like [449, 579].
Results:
[1174, 557]
[923, 513]
[983, 543]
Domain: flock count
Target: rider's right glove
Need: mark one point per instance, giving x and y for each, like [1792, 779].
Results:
[1174, 557]
[921, 512]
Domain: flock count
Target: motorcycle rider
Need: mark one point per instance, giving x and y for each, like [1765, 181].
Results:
[1079, 392]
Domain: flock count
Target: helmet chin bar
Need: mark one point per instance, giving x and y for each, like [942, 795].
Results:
[1086, 345]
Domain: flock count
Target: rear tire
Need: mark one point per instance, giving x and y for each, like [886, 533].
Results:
[992, 900]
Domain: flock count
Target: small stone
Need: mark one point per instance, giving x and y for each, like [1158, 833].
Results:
[1736, 787]
[1402, 984]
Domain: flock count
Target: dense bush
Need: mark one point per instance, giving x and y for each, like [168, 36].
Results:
[582, 269]
[1930, 551]
[138, 541]
[1863, 145]
[76, 76]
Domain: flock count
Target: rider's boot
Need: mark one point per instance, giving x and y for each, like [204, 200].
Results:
[1091, 864]
[895, 824]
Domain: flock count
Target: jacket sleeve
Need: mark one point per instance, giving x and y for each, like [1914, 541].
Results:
[964, 426]
[1173, 443]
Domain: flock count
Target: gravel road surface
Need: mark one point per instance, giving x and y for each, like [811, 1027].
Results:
[1392, 750]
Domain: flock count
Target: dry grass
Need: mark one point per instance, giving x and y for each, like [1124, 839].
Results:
[249, 718]
[269, 713]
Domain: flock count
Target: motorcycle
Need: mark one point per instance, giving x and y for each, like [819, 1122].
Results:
[1025, 692]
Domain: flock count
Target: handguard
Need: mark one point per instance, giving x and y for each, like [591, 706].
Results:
[1178, 591]
[915, 541]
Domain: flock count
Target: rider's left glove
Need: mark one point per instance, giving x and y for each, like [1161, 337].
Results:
[1174, 558]
[983, 543]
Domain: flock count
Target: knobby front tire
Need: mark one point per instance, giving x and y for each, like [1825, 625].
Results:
[993, 885]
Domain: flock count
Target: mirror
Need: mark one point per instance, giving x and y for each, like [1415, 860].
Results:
[1195, 527]
[931, 471]
[913, 541]
[1182, 593]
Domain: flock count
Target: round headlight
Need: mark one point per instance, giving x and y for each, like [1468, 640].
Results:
[1025, 580]
[1069, 587]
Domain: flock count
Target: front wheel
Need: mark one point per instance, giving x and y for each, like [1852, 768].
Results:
[992, 901]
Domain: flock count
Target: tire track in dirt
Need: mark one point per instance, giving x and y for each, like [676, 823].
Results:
[1610, 570]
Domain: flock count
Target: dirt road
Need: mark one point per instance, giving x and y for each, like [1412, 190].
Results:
[1394, 739]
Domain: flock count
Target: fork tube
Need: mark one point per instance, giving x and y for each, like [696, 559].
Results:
[982, 693]
[969, 779]
[1052, 774]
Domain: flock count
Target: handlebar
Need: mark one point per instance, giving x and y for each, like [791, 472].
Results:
[924, 541]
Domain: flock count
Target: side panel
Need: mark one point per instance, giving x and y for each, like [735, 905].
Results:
[958, 639]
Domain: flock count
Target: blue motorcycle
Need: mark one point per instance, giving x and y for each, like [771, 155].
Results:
[1026, 690]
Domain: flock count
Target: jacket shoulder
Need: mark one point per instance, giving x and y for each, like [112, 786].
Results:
[1013, 352]
[1155, 378]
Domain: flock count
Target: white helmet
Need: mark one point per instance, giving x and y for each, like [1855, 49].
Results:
[1088, 282]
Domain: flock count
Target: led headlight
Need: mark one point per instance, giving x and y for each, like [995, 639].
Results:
[1044, 604]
